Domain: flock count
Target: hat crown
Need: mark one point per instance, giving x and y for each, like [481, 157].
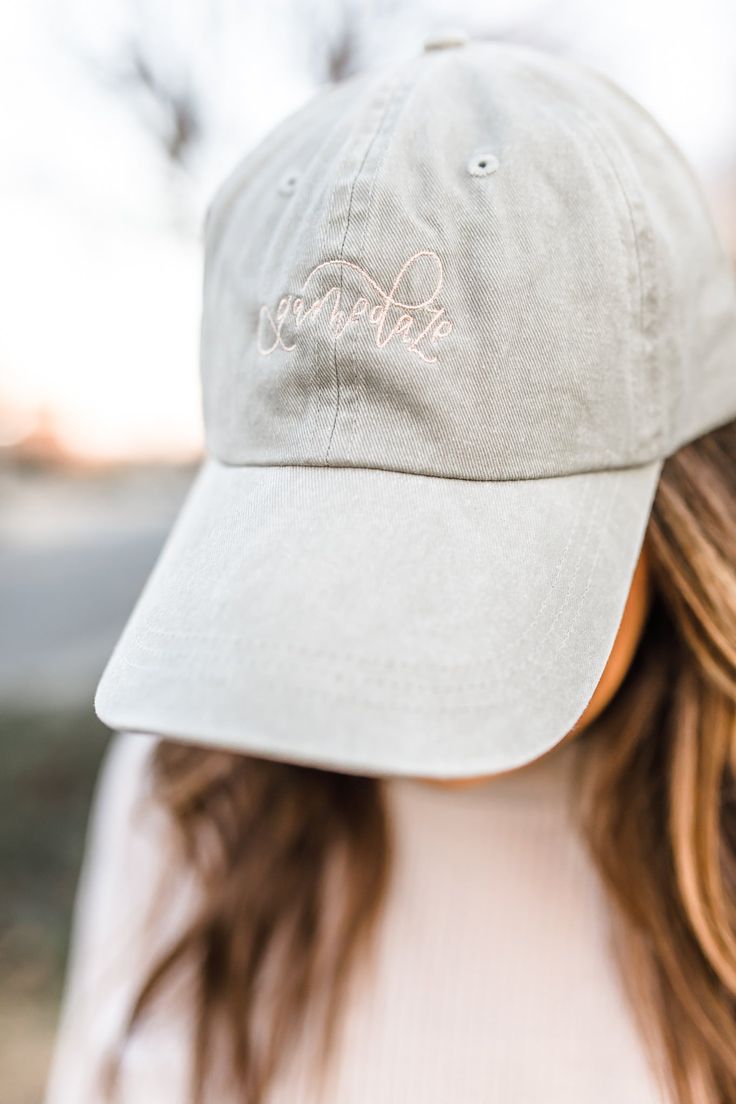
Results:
[485, 264]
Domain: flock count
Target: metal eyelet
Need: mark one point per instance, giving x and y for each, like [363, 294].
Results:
[288, 183]
[483, 163]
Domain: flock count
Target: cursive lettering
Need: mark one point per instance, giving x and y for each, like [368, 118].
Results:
[390, 315]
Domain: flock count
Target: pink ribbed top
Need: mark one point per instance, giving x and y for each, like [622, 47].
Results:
[493, 980]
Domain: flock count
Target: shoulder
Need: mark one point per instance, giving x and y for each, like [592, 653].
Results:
[125, 829]
[133, 897]
[123, 792]
[133, 879]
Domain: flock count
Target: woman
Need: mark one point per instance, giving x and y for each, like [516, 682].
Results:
[469, 516]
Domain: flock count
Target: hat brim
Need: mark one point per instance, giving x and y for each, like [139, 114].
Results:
[380, 622]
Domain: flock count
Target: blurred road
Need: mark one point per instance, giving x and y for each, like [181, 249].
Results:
[75, 550]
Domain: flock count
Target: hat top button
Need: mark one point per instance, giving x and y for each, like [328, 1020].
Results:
[445, 40]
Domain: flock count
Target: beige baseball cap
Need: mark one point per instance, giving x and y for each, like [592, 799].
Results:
[456, 314]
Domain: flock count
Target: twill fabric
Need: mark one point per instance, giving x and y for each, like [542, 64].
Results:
[456, 315]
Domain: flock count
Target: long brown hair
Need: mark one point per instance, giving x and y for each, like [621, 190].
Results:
[294, 863]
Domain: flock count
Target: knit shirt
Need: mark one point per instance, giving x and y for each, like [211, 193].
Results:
[492, 978]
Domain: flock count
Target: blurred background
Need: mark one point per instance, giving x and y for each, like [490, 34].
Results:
[118, 119]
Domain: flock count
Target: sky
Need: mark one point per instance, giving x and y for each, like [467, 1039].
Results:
[100, 269]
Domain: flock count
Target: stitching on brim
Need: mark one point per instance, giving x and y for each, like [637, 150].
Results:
[437, 703]
[252, 642]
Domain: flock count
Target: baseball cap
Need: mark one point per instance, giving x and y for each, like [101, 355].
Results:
[456, 314]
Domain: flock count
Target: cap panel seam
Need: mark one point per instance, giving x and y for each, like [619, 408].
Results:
[393, 88]
[352, 345]
[635, 300]
[649, 304]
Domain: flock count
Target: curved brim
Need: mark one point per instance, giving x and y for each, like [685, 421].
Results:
[380, 622]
